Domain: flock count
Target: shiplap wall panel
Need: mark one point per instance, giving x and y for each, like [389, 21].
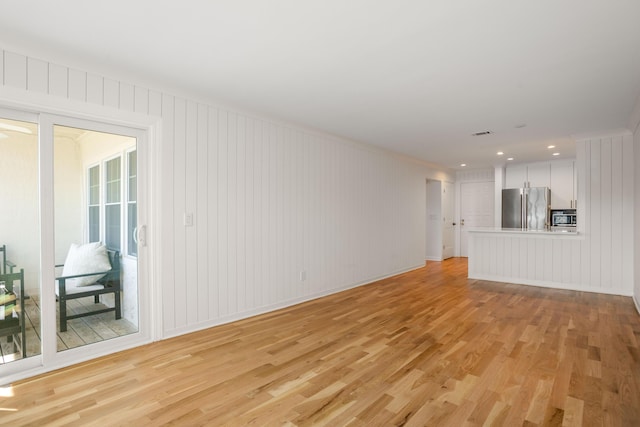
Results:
[15, 70]
[558, 271]
[241, 226]
[141, 100]
[211, 214]
[249, 258]
[155, 104]
[584, 188]
[232, 212]
[269, 201]
[165, 232]
[111, 93]
[606, 227]
[223, 215]
[77, 85]
[58, 80]
[548, 259]
[179, 208]
[616, 203]
[126, 97]
[573, 252]
[595, 202]
[37, 75]
[628, 179]
[260, 157]
[201, 218]
[190, 205]
[95, 89]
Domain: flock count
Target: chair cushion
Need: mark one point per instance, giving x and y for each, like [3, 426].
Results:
[83, 259]
[70, 290]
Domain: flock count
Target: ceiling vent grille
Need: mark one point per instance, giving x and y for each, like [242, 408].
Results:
[485, 132]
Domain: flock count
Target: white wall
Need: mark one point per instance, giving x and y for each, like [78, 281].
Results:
[605, 205]
[636, 148]
[19, 203]
[434, 221]
[270, 201]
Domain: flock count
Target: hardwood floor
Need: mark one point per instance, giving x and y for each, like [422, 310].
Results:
[428, 347]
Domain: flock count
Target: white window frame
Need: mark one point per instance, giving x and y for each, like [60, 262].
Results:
[124, 202]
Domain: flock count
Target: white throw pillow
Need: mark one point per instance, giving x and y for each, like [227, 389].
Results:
[83, 259]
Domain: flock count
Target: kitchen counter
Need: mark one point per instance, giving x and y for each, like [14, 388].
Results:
[530, 257]
[564, 232]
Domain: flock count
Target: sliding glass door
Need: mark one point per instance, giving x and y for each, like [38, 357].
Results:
[95, 188]
[72, 240]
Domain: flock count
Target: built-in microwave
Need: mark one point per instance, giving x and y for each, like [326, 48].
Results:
[563, 218]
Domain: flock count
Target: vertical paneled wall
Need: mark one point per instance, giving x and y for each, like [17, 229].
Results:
[605, 205]
[280, 214]
[636, 262]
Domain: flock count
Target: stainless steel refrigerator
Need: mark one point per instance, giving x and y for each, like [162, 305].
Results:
[526, 208]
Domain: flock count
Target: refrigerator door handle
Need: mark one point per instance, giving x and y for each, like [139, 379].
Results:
[525, 203]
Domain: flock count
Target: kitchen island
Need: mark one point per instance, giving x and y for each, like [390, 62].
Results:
[528, 257]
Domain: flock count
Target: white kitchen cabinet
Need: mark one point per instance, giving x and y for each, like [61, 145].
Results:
[539, 175]
[515, 176]
[531, 175]
[563, 185]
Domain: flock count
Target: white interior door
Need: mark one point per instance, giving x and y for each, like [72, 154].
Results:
[476, 209]
[448, 220]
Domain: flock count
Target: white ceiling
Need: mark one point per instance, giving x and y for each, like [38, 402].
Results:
[415, 76]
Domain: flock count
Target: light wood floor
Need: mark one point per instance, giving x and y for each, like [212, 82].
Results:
[426, 348]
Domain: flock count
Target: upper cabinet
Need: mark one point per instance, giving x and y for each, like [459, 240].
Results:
[531, 175]
[564, 185]
[559, 176]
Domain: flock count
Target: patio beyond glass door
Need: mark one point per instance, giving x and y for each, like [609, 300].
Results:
[95, 204]
[20, 331]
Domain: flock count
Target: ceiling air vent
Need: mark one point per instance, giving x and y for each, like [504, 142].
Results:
[486, 132]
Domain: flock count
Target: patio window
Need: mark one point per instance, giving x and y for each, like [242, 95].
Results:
[107, 213]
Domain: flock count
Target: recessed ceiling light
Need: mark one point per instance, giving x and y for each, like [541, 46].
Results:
[556, 154]
[510, 158]
[551, 146]
[463, 164]
[499, 153]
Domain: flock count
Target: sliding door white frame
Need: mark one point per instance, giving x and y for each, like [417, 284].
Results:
[49, 112]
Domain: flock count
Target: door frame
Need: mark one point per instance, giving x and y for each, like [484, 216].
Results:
[147, 128]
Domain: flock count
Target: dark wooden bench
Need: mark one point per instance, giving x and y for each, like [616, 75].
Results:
[109, 283]
[12, 303]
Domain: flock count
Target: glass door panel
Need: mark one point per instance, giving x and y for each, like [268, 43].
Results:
[95, 236]
[20, 331]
